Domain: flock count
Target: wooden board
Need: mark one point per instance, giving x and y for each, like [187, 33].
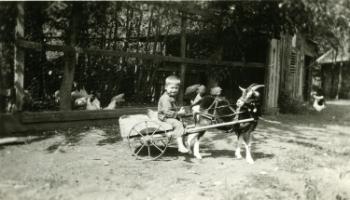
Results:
[103, 52]
[138, 123]
[64, 116]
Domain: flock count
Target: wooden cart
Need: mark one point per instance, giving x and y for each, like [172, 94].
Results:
[148, 138]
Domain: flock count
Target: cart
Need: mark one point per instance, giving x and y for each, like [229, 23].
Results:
[148, 138]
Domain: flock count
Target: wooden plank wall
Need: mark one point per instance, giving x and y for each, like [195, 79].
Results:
[298, 76]
[285, 61]
[272, 77]
[292, 80]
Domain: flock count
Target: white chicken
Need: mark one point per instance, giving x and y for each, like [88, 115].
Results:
[96, 105]
[319, 102]
[92, 105]
[116, 99]
[81, 98]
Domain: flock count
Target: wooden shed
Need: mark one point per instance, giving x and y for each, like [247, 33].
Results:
[335, 73]
[289, 69]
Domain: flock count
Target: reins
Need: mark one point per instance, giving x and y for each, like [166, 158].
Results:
[215, 105]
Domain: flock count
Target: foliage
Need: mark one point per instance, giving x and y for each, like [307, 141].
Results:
[288, 104]
[326, 22]
[223, 30]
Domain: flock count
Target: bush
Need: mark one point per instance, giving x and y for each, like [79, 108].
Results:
[288, 104]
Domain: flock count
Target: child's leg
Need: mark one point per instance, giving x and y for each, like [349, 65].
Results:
[178, 132]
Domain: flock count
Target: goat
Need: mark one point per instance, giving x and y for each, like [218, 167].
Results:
[246, 107]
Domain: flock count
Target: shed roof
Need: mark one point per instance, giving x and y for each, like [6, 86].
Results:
[329, 57]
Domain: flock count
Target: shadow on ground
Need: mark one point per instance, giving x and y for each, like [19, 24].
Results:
[111, 134]
[27, 138]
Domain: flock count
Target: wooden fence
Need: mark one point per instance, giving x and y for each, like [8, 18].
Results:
[50, 120]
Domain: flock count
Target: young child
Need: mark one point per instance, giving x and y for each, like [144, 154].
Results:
[169, 112]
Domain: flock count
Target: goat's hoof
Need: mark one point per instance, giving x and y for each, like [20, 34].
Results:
[183, 150]
[250, 161]
[199, 157]
[238, 156]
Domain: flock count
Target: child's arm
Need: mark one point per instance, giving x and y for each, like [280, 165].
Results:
[165, 109]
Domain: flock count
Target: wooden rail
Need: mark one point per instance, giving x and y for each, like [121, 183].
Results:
[39, 47]
[50, 120]
[78, 115]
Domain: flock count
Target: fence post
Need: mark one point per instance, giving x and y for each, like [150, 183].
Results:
[19, 58]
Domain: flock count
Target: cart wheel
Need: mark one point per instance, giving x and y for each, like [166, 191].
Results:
[148, 140]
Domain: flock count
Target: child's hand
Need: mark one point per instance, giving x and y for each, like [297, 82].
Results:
[182, 111]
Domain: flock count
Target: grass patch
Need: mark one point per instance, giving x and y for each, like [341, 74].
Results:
[261, 186]
[294, 161]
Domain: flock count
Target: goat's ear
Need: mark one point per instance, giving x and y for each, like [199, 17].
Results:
[257, 94]
[242, 89]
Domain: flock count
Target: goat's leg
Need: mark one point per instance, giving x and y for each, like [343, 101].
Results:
[190, 141]
[196, 145]
[238, 147]
[196, 149]
[247, 144]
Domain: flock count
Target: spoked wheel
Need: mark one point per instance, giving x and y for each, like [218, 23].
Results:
[148, 140]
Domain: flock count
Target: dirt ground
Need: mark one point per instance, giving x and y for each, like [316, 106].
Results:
[297, 157]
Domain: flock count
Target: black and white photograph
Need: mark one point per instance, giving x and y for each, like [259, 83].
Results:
[175, 100]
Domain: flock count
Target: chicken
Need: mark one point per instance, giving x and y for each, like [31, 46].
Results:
[81, 99]
[92, 104]
[319, 101]
[116, 99]
[76, 94]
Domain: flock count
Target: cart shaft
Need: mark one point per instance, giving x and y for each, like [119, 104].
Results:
[204, 128]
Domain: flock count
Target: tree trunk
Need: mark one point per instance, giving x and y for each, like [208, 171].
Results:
[38, 35]
[3, 78]
[128, 27]
[143, 88]
[70, 59]
[115, 36]
[149, 31]
[217, 54]
[340, 80]
[333, 75]
[183, 55]
[137, 63]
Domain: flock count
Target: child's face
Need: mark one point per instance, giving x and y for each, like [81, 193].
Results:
[172, 89]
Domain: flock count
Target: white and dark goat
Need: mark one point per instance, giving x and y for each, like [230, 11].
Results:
[216, 110]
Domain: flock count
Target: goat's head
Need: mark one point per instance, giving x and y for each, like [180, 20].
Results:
[249, 95]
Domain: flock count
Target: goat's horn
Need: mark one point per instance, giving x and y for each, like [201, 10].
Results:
[241, 88]
[255, 87]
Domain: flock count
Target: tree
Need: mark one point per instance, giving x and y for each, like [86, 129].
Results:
[70, 57]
